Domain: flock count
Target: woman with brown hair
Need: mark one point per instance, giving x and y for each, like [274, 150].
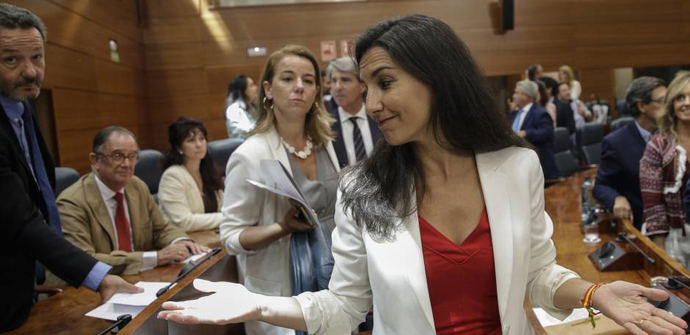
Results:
[293, 128]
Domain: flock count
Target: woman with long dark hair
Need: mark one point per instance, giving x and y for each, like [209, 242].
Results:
[442, 230]
[240, 106]
[190, 192]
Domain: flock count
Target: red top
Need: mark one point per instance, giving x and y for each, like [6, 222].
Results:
[461, 280]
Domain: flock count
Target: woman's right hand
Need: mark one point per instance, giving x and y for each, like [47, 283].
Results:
[292, 224]
[231, 303]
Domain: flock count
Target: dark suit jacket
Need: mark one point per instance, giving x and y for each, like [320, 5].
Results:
[339, 144]
[539, 128]
[26, 237]
[619, 170]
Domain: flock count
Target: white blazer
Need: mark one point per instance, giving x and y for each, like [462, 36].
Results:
[181, 203]
[266, 270]
[393, 276]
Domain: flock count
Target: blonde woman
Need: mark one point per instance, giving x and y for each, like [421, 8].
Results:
[566, 75]
[293, 128]
[664, 171]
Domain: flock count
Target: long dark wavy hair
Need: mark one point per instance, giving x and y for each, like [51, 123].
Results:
[178, 131]
[379, 191]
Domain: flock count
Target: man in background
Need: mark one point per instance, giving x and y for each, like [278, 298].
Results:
[356, 132]
[617, 185]
[111, 214]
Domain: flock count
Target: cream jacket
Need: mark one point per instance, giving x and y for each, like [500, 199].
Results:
[181, 203]
[266, 270]
[391, 274]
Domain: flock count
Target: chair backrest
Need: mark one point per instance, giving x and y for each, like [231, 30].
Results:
[221, 150]
[589, 138]
[621, 122]
[149, 168]
[562, 154]
[622, 108]
[64, 178]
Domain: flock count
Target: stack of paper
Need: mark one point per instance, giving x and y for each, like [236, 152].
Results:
[128, 303]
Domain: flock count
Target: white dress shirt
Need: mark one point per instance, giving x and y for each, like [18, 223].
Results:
[150, 258]
[347, 128]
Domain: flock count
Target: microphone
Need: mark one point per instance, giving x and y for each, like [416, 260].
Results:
[121, 322]
[186, 271]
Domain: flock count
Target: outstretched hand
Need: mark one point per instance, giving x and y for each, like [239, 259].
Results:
[624, 303]
[231, 303]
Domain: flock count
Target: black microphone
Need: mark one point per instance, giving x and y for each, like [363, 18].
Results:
[184, 272]
[121, 322]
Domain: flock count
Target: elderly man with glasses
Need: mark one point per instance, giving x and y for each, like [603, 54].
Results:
[110, 213]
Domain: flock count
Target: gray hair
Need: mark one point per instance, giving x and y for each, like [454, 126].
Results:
[640, 90]
[343, 64]
[13, 17]
[529, 87]
[104, 134]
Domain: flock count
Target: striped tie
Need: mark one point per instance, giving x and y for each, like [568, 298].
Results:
[360, 152]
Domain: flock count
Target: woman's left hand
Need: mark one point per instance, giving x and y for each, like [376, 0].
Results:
[624, 303]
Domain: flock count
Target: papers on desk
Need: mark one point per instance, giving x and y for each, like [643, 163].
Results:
[547, 320]
[194, 258]
[127, 303]
[278, 180]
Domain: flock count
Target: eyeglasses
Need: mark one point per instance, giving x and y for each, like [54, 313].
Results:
[659, 100]
[118, 157]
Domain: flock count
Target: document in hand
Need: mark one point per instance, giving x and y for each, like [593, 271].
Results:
[279, 181]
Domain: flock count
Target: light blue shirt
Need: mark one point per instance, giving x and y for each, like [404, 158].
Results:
[646, 135]
[14, 111]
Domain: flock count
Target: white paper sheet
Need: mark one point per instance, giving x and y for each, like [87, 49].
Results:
[547, 320]
[194, 258]
[278, 180]
[127, 303]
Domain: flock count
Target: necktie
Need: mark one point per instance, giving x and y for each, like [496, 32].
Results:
[124, 238]
[39, 170]
[516, 121]
[360, 152]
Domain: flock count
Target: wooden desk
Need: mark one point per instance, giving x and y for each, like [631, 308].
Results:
[64, 312]
[562, 202]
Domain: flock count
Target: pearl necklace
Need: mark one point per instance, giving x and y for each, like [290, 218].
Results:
[304, 153]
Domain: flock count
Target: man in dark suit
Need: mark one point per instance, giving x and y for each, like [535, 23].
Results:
[533, 123]
[617, 184]
[356, 132]
[31, 225]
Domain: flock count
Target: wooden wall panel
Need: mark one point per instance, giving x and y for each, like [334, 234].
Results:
[119, 15]
[593, 36]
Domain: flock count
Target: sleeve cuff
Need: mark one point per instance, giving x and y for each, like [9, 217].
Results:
[149, 260]
[94, 278]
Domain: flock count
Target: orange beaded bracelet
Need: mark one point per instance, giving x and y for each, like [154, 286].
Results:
[587, 302]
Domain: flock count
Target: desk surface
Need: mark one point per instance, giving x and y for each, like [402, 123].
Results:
[64, 312]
